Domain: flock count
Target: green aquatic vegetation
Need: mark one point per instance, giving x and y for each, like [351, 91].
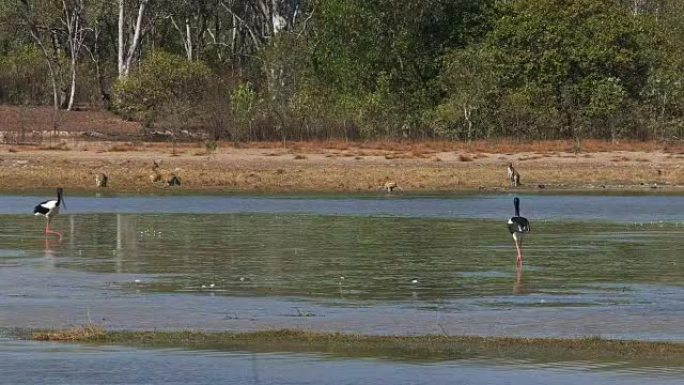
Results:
[429, 347]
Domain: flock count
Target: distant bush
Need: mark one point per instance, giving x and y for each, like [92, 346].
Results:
[164, 82]
[24, 77]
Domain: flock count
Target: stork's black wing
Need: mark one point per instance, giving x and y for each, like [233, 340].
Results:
[518, 225]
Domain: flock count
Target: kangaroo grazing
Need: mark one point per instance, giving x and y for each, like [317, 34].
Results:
[174, 181]
[390, 186]
[155, 176]
[101, 180]
[513, 176]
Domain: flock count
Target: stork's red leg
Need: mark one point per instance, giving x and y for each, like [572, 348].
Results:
[517, 247]
[48, 231]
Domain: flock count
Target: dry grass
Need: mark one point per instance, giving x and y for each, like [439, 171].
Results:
[229, 169]
[492, 146]
[123, 147]
[79, 333]
[62, 146]
[198, 173]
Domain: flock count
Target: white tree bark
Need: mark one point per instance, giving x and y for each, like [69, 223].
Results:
[186, 36]
[120, 50]
[188, 39]
[125, 58]
[76, 33]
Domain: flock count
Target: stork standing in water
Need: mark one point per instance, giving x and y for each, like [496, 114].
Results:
[49, 209]
[518, 226]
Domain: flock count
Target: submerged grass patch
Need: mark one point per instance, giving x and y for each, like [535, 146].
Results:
[431, 347]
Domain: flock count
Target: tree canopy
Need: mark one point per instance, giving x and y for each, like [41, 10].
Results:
[299, 69]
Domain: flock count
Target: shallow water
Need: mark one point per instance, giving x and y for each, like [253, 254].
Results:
[221, 262]
[634, 209]
[76, 364]
[594, 266]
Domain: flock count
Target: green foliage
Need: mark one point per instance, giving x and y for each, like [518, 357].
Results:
[468, 81]
[455, 69]
[549, 69]
[23, 77]
[210, 146]
[383, 55]
[162, 80]
[244, 102]
[579, 59]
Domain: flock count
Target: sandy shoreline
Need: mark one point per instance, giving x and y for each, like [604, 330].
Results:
[293, 169]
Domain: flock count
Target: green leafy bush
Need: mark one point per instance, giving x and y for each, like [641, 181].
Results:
[163, 80]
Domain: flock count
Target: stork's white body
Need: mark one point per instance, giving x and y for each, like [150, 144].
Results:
[50, 209]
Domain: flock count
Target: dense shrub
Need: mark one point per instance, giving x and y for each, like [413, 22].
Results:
[164, 82]
[24, 77]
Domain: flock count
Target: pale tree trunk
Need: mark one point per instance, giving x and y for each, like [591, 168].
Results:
[120, 48]
[188, 39]
[467, 111]
[186, 36]
[280, 17]
[73, 21]
[125, 57]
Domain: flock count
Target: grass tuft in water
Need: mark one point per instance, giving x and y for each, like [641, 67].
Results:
[430, 347]
[77, 334]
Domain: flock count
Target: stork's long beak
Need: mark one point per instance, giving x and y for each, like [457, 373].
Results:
[61, 197]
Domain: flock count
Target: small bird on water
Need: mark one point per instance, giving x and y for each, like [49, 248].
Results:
[50, 209]
[518, 226]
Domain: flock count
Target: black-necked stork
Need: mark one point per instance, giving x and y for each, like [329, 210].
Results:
[518, 226]
[49, 209]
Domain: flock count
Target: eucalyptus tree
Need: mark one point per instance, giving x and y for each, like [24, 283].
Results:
[76, 30]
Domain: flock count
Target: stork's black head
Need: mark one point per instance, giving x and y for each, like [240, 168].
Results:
[60, 198]
[516, 204]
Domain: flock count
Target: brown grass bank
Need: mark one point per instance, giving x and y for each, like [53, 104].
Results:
[342, 166]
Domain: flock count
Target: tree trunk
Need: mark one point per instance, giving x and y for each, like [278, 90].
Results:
[125, 59]
[75, 35]
[120, 52]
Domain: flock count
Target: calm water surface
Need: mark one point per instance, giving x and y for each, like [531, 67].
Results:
[577, 207]
[594, 266]
[75, 364]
